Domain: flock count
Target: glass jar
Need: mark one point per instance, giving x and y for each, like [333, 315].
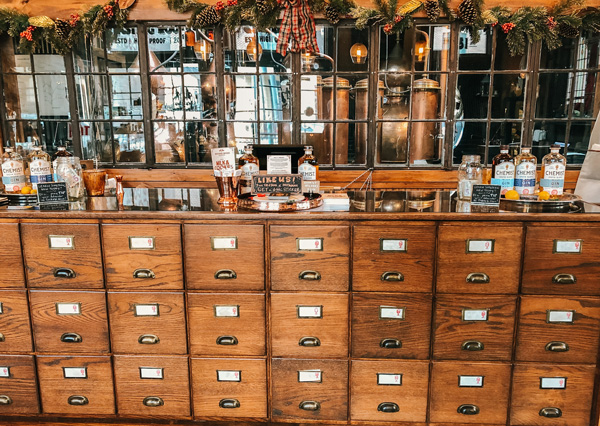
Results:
[470, 173]
[68, 169]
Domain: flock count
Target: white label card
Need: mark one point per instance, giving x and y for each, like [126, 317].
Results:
[553, 382]
[61, 242]
[560, 316]
[470, 381]
[389, 379]
[150, 310]
[75, 372]
[68, 308]
[310, 244]
[229, 376]
[567, 246]
[475, 315]
[310, 376]
[310, 311]
[224, 243]
[480, 246]
[391, 312]
[4, 371]
[227, 311]
[141, 243]
[151, 373]
[393, 245]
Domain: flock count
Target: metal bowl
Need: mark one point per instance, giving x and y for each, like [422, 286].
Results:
[568, 203]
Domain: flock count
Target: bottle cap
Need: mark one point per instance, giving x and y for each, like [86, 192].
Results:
[308, 147]
[555, 147]
[525, 149]
[504, 148]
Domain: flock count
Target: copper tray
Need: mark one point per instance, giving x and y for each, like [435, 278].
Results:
[568, 203]
[294, 203]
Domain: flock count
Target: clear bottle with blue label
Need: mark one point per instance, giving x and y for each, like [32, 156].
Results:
[525, 172]
[503, 170]
[39, 166]
[13, 171]
[554, 166]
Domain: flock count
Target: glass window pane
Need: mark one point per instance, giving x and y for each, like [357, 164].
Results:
[357, 143]
[504, 61]
[432, 47]
[395, 51]
[429, 96]
[12, 59]
[579, 140]
[473, 95]
[396, 98]
[53, 96]
[320, 137]
[200, 96]
[122, 50]
[426, 142]
[276, 133]
[561, 58]
[508, 97]
[24, 134]
[241, 49]
[554, 90]
[352, 96]
[392, 140]
[475, 56]
[505, 133]
[55, 134]
[88, 55]
[19, 96]
[275, 97]
[241, 97]
[95, 141]
[585, 88]
[270, 60]
[163, 49]
[311, 98]
[201, 137]
[547, 133]
[201, 56]
[126, 96]
[469, 139]
[129, 142]
[167, 96]
[324, 61]
[92, 97]
[588, 51]
[49, 63]
[240, 134]
[169, 144]
[349, 37]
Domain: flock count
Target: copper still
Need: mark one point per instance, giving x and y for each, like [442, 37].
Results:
[361, 109]
[394, 135]
[425, 103]
[342, 95]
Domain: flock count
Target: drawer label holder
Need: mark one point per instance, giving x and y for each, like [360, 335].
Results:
[141, 243]
[309, 244]
[61, 242]
[4, 371]
[229, 376]
[151, 373]
[75, 372]
[224, 243]
[470, 381]
[146, 310]
[392, 312]
[303, 311]
[227, 311]
[389, 379]
[310, 376]
[480, 246]
[553, 382]
[475, 314]
[567, 246]
[68, 308]
[560, 317]
[390, 245]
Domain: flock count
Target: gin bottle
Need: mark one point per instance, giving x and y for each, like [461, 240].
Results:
[308, 166]
[525, 169]
[39, 166]
[503, 170]
[248, 163]
[13, 171]
[553, 172]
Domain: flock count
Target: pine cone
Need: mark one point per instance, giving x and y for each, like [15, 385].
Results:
[467, 12]
[63, 29]
[332, 14]
[432, 9]
[209, 16]
[264, 6]
[565, 30]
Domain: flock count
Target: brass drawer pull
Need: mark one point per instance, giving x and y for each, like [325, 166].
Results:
[390, 343]
[388, 407]
[153, 401]
[472, 345]
[148, 339]
[551, 412]
[229, 403]
[309, 342]
[564, 279]
[478, 278]
[468, 409]
[5, 400]
[392, 276]
[78, 400]
[64, 273]
[225, 274]
[143, 273]
[557, 347]
[310, 275]
[71, 338]
[310, 406]
[227, 340]
[2, 337]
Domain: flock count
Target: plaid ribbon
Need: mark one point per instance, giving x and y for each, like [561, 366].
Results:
[298, 25]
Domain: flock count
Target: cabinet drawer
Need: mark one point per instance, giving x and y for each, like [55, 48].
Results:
[69, 321]
[229, 387]
[562, 260]
[393, 258]
[394, 391]
[15, 332]
[152, 386]
[310, 257]
[473, 392]
[391, 325]
[482, 259]
[62, 256]
[18, 389]
[147, 323]
[142, 256]
[309, 324]
[552, 395]
[474, 328]
[76, 385]
[225, 257]
[11, 274]
[553, 329]
[227, 324]
[306, 389]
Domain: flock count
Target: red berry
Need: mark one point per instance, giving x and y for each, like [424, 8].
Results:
[231, 3]
[507, 27]
[219, 6]
[387, 28]
[398, 18]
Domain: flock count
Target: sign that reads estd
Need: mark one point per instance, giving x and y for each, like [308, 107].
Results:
[269, 184]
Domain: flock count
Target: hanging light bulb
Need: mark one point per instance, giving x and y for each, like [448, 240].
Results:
[421, 46]
[254, 50]
[358, 53]
[202, 49]
[190, 38]
[307, 61]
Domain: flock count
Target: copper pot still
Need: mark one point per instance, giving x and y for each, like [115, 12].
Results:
[394, 134]
[424, 135]
[361, 112]
[342, 94]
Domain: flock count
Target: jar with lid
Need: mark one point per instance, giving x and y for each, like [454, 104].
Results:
[68, 170]
[470, 173]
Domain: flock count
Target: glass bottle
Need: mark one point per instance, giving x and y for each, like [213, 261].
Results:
[13, 171]
[308, 166]
[60, 152]
[503, 170]
[68, 170]
[525, 169]
[249, 165]
[39, 166]
[470, 173]
[553, 172]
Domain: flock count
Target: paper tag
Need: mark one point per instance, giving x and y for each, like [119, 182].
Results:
[475, 315]
[227, 310]
[391, 312]
[224, 243]
[311, 186]
[279, 164]
[314, 376]
[392, 245]
[480, 246]
[151, 373]
[75, 372]
[150, 310]
[4, 371]
[553, 382]
[560, 316]
[68, 308]
[389, 379]
[229, 376]
[61, 242]
[309, 244]
[309, 311]
[470, 381]
[567, 246]
[141, 243]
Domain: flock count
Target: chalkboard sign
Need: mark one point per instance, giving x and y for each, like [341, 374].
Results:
[269, 184]
[52, 192]
[486, 195]
[54, 206]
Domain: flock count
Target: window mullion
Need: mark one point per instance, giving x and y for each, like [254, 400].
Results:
[448, 154]
[219, 58]
[535, 50]
[373, 97]
[73, 108]
[146, 90]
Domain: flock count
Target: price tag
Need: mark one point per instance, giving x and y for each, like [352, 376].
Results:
[141, 243]
[553, 382]
[309, 244]
[314, 376]
[224, 243]
[150, 310]
[391, 312]
[68, 308]
[475, 315]
[229, 376]
[61, 242]
[470, 381]
[151, 373]
[567, 246]
[75, 372]
[480, 246]
[4, 371]
[309, 311]
[227, 310]
[560, 316]
[392, 245]
[389, 379]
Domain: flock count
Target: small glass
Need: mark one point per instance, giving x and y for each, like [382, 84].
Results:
[470, 173]
[228, 187]
[94, 180]
[68, 169]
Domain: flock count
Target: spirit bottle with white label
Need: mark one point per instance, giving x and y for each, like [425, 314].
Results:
[248, 163]
[308, 166]
[39, 166]
[503, 170]
[553, 172]
[525, 169]
[61, 152]
[13, 171]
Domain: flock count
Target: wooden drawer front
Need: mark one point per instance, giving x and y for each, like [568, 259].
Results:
[393, 258]
[310, 258]
[69, 321]
[562, 260]
[229, 387]
[142, 256]
[11, 273]
[76, 385]
[474, 328]
[553, 329]
[306, 389]
[18, 389]
[152, 386]
[567, 392]
[227, 324]
[394, 391]
[15, 332]
[62, 256]
[147, 323]
[391, 326]
[225, 257]
[471, 392]
[481, 259]
[309, 324]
